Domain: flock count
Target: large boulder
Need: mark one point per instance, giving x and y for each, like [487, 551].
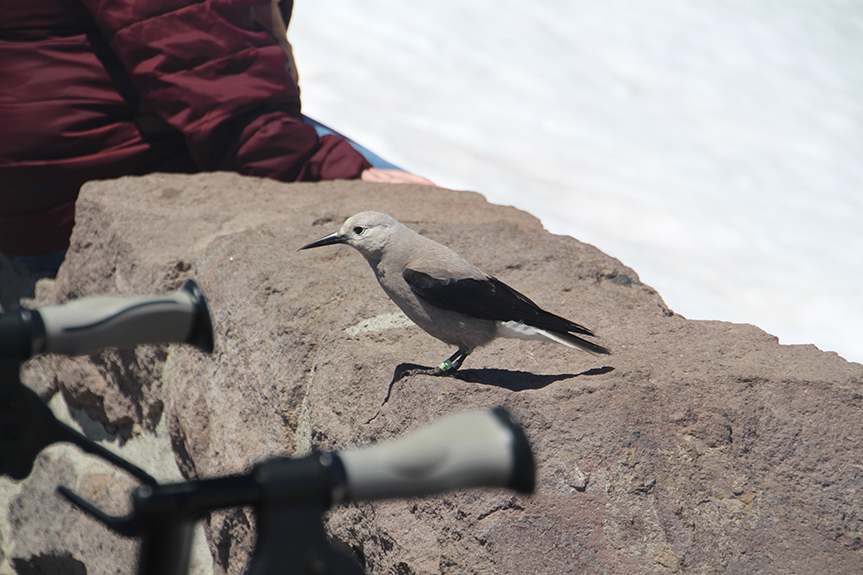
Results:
[696, 447]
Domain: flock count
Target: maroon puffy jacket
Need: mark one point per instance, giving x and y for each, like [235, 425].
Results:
[97, 89]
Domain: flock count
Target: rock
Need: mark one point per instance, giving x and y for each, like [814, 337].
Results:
[45, 537]
[696, 447]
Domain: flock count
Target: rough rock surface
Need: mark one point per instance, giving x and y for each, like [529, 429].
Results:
[696, 447]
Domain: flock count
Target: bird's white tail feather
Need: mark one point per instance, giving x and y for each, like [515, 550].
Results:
[519, 330]
[558, 339]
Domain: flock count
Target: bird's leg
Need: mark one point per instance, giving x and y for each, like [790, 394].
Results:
[454, 362]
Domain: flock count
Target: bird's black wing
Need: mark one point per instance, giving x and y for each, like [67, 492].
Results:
[487, 299]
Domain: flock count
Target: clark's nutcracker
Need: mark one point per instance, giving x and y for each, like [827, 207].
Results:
[446, 295]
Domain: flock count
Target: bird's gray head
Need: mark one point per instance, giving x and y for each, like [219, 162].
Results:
[367, 232]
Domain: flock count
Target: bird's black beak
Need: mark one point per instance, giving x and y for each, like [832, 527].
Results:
[333, 238]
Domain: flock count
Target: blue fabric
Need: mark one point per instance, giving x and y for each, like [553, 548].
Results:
[375, 160]
[42, 262]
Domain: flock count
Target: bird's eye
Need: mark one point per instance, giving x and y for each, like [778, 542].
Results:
[359, 230]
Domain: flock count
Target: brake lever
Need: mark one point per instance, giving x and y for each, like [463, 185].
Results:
[68, 434]
[28, 426]
[122, 524]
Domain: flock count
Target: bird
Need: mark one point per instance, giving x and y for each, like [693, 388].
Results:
[446, 295]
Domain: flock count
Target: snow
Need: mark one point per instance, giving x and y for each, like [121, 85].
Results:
[714, 147]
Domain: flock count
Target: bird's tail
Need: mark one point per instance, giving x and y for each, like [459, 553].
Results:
[521, 330]
[574, 341]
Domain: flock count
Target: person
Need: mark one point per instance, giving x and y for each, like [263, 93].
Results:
[94, 89]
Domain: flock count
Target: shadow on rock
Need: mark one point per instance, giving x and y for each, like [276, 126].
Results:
[522, 380]
[509, 379]
[62, 564]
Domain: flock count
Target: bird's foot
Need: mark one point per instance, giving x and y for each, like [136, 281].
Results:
[448, 367]
[425, 371]
[444, 369]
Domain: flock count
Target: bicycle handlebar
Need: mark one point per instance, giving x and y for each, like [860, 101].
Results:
[89, 324]
[469, 449]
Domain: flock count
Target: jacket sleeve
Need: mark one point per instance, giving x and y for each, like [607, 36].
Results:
[212, 70]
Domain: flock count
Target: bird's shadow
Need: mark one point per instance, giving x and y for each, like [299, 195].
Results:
[507, 379]
[512, 380]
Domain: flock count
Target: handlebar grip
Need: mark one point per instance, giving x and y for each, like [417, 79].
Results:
[470, 449]
[89, 324]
